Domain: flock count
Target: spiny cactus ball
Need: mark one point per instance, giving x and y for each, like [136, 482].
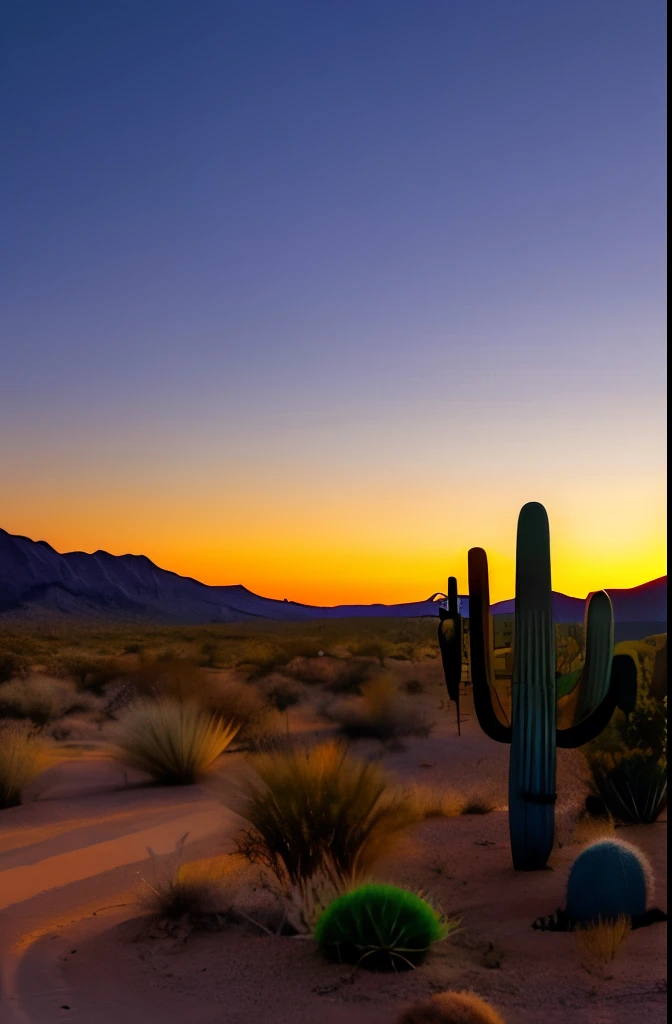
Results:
[451, 1008]
[610, 879]
[380, 927]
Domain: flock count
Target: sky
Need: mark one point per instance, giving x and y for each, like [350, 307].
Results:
[313, 296]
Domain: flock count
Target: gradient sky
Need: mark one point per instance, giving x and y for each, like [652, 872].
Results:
[313, 296]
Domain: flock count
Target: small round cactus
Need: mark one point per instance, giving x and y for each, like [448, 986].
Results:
[610, 879]
[380, 927]
[451, 1008]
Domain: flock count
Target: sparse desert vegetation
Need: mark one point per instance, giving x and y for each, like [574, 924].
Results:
[331, 766]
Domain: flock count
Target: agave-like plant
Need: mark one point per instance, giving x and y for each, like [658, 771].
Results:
[176, 742]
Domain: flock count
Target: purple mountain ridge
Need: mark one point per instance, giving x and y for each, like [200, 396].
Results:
[37, 583]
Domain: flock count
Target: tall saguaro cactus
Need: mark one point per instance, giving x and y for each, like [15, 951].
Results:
[450, 645]
[532, 732]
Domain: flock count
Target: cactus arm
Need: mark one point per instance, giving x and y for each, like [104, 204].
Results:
[450, 645]
[622, 694]
[532, 769]
[482, 649]
[594, 681]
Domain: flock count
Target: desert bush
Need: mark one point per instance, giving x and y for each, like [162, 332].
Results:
[282, 694]
[377, 649]
[632, 784]
[90, 673]
[174, 678]
[598, 943]
[238, 702]
[318, 813]
[23, 757]
[413, 687]
[350, 676]
[133, 648]
[42, 699]
[380, 713]
[451, 1008]
[609, 880]
[175, 742]
[181, 897]
[628, 761]
[380, 927]
[441, 802]
[11, 666]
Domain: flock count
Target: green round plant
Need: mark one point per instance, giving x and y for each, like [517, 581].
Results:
[380, 927]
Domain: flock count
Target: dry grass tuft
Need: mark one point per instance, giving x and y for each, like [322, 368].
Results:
[183, 896]
[437, 802]
[380, 713]
[599, 943]
[451, 1008]
[175, 742]
[42, 699]
[320, 818]
[23, 757]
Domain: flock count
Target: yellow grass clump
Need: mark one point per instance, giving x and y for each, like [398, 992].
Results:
[599, 943]
[318, 813]
[175, 742]
[22, 758]
[437, 802]
[451, 1008]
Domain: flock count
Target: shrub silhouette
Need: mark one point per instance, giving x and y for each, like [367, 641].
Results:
[173, 741]
[380, 927]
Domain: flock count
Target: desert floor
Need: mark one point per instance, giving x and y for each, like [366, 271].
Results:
[75, 946]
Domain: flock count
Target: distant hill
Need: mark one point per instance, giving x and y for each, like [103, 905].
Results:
[38, 583]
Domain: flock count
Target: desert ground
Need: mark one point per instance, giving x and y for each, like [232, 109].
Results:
[78, 945]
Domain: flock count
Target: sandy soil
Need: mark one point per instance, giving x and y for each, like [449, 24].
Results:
[74, 946]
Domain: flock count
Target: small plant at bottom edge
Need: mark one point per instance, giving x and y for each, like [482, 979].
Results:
[381, 927]
[451, 1008]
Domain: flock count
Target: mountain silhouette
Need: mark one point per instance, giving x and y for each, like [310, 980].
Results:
[37, 582]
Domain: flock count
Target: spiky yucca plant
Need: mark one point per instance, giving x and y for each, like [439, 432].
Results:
[22, 758]
[451, 1008]
[175, 742]
[380, 927]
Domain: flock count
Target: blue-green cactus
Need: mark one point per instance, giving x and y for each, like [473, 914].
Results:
[608, 880]
[532, 730]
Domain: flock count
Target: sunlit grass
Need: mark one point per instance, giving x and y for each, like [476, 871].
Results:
[23, 756]
[175, 742]
[599, 943]
[319, 815]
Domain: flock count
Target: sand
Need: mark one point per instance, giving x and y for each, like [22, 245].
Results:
[74, 945]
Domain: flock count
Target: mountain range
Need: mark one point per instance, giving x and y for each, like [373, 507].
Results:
[38, 583]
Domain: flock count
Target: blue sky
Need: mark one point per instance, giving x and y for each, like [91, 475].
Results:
[297, 242]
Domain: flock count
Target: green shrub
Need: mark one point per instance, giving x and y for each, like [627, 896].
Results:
[175, 742]
[380, 927]
[22, 758]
